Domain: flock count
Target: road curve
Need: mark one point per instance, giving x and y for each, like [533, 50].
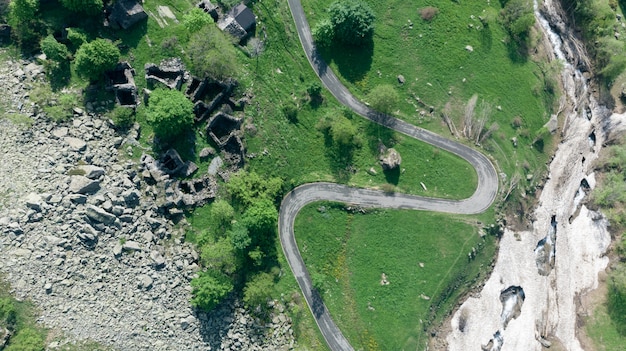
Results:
[305, 194]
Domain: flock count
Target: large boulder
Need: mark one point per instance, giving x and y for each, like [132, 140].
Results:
[390, 159]
[83, 185]
[99, 215]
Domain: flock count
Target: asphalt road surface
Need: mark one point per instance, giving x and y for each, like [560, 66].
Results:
[480, 201]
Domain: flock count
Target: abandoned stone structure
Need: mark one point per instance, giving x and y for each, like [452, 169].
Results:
[170, 73]
[120, 80]
[125, 14]
[239, 22]
[209, 8]
[208, 95]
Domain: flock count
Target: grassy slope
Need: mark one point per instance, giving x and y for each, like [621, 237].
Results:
[601, 330]
[353, 250]
[433, 59]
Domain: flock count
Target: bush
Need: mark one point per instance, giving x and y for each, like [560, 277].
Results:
[428, 13]
[8, 315]
[290, 110]
[123, 117]
[169, 113]
[209, 289]
[617, 299]
[258, 290]
[323, 33]
[4, 10]
[196, 19]
[27, 339]
[23, 18]
[383, 98]
[518, 18]
[248, 187]
[212, 54]
[352, 21]
[95, 58]
[53, 49]
[76, 37]
[89, 7]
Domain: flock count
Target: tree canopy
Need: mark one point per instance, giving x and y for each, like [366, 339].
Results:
[212, 54]
[96, 57]
[169, 113]
[89, 7]
[383, 98]
[352, 21]
[209, 289]
[196, 19]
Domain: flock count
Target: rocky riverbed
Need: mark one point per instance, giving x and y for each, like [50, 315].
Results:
[82, 237]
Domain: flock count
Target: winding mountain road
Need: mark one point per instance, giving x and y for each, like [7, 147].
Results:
[305, 194]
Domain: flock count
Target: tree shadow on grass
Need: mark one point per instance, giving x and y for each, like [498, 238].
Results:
[339, 158]
[517, 50]
[353, 63]
[392, 175]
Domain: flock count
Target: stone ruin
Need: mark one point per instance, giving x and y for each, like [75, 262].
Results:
[173, 164]
[208, 95]
[209, 8]
[124, 14]
[120, 80]
[240, 22]
[170, 73]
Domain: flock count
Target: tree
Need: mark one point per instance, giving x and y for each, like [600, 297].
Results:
[247, 187]
[23, 19]
[95, 58]
[89, 7]
[196, 19]
[212, 54]
[239, 237]
[343, 132]
[518, 18]
[258, 290]
[76, 37]
[54, 50]
[352, 21]
[222, 213]
[220, 256]
[209, 289]
[169, 113]
[323, 33]
[383, 98]
[261, 217]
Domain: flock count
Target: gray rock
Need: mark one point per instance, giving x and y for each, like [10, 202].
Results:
[117, 250]
[77, 198]
[158, 259]
[215, 165]
[131, 246]
[92, 172]
[83, 185]
[48, 288]
[206, 152]
[99, 215]
[390, 159]
[60, 132]
[75, 143]
[401, 79]
[131, 197]
[33, 201]
[144, 281]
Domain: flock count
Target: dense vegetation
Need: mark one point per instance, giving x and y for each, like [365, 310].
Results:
[609, 321]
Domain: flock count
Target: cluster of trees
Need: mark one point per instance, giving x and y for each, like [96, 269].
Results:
[518, 18]
[170, 113]
[238, 252]
[350, 22]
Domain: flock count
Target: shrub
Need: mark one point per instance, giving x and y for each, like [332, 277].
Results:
[196, 19]
[258, 290]
[4, 10]
[209, 289]
[96, 57]
[518, 18]
[22, 17]
[53, 49]
[169, 113]
[383, 98]
[290, 109]
[212, 54]
[89, 7]
[323, 33]
[352, 21]
[428, 13]
[76, 37]
[27, 339]
[123, 117]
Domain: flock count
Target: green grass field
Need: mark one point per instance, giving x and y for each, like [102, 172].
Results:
[424, 256]
[601, 330]
[432, 57]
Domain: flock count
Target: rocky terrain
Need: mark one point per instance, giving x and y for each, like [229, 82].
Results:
[81, 235]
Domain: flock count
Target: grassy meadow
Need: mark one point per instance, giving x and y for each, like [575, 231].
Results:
[423, 255]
